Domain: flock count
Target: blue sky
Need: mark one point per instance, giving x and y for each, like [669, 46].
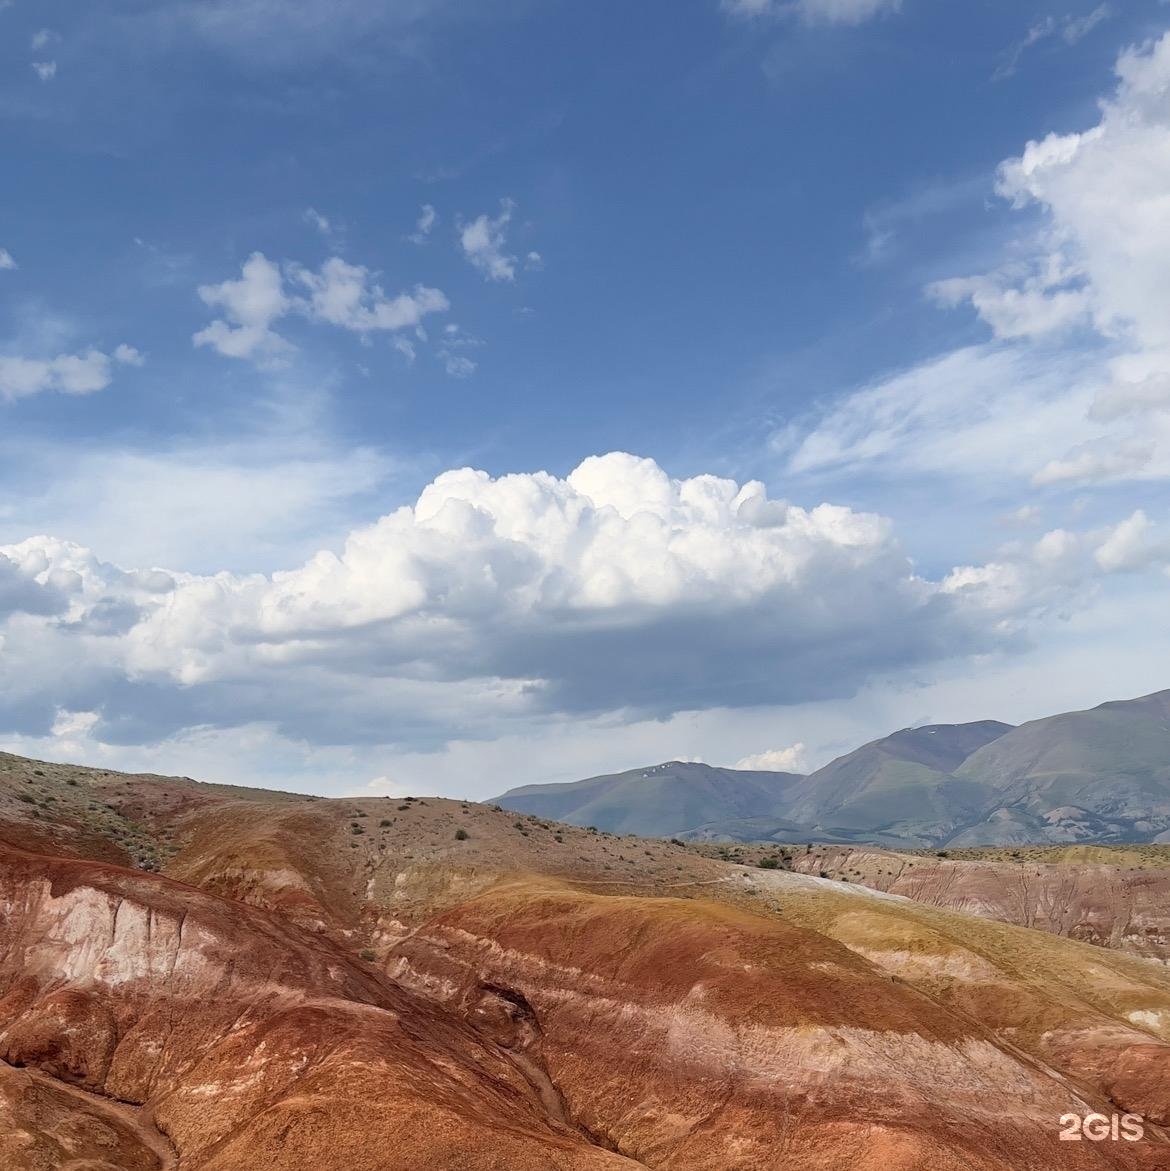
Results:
[272, 273]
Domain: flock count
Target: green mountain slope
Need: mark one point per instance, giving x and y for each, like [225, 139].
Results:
[1098, 774]
[658, 801]
[1101, 775]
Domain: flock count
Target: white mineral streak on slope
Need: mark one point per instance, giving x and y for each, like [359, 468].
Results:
[86, 934]
[789, 881]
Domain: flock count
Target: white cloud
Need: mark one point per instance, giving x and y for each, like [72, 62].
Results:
[75, 374]
[484, 242]
[489, 601]
[1127, 547]
[1093, 462]
[1066, 29]
[345, 295]
[6, 261]
[128, 356]
[814, 11]
[261, 495]
[458, 365]
[984, 413]
[41, 38]
[45, 70]
[1025, 516]
[388, 787]
[321, 222]
[251, 305]
[1018, 304]
[451, 351]
[1057, 573]
[1142, 396]
[1074, 388]
[339, 294]
[265, 33]
[792, 759]
[424, 225]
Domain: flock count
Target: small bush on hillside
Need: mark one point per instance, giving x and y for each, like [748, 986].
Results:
[461, 835]
[367, 955]
[356, 829]
[385, 823]
[676, 842]
[769, 863]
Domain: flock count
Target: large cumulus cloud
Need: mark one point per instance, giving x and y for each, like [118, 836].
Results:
[615, 589]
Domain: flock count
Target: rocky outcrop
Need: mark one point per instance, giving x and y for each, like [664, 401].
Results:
[690, 1035]
[1112, 906]
[249, 1040]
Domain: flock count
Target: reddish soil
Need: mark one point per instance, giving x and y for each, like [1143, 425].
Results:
[376, 984]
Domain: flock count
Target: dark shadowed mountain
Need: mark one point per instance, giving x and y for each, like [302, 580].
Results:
[1095, 776]
[900, 786]
[658, 801]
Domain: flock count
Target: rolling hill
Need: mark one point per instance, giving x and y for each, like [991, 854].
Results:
[220, 979]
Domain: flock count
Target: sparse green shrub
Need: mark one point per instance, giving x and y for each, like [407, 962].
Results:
[402, 808]
[771, 862]
[367, 955]
[461, 835]
[356, 829]
[676, 842]
[385, 823]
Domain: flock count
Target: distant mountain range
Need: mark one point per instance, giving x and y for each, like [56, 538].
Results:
[1094, 776]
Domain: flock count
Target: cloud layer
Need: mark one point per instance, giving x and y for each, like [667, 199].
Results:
[815, 11]
[616, 589]
[1073, 390]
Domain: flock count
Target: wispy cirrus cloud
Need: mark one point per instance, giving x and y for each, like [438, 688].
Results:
[1066, 30]
[1073, 389]
[814, 11]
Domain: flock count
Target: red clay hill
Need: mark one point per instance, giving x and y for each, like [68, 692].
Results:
[213, 979]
